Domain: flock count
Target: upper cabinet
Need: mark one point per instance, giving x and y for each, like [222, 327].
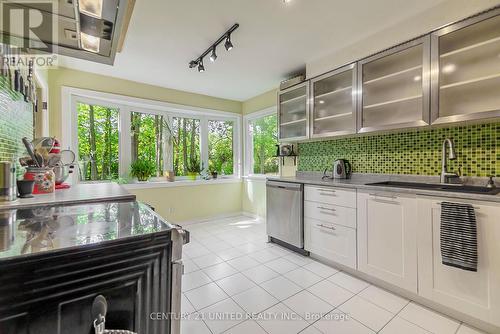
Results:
[333, 103]
[450, 75]
[394, 88]
[466, 70]
[293, 117]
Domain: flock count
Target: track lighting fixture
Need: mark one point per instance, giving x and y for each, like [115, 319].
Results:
[213, 56]
[193, 63]
[228, 45]
[212, 49]
[201, 68]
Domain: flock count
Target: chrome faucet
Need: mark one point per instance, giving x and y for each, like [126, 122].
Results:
[445, 175]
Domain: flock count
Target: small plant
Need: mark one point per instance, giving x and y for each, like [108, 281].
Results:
[142, 169]
[193, 169]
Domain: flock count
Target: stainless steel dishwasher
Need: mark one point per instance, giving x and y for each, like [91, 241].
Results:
[285, 218]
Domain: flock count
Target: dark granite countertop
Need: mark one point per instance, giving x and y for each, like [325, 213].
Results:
[360, 181]
[51, 228]
[78, 193]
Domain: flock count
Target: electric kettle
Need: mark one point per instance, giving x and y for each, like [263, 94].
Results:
[341, 169]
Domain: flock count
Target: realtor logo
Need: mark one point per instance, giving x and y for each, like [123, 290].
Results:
[29, 24]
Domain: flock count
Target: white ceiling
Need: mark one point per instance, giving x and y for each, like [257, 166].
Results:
[274, 40]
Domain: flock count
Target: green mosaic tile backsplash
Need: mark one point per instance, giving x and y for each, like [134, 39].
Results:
[414, 152]
[16, 121]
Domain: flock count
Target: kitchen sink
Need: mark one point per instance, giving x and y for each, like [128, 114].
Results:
[459, 188]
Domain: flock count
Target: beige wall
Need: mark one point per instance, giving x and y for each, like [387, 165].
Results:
[78, 79]
[260, 102]
[426, 21]
[181, 204]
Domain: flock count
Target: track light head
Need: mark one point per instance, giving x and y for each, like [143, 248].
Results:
[193, 63]
[213, 56]
[228, 45]
[201, 68]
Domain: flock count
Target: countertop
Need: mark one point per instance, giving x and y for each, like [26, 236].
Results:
[79, 193]
[359, 181]
[25, 232]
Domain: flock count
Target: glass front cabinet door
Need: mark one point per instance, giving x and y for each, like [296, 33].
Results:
[466, 70]
[292, 113]
[394, 88]
[333, 103]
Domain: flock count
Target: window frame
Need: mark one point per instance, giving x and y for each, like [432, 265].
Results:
[248, 141]
[126, 105]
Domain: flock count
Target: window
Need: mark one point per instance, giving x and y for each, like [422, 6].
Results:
[186, 145]
[262, 138]
[220, 147]
[109, 132]
[98, 140]
[147, 139]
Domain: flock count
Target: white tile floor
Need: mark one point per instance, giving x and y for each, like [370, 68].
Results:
[237, 282]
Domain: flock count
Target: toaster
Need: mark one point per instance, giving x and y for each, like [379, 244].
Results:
[341, 169]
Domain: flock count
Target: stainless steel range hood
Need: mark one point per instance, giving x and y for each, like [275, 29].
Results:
[86, 29]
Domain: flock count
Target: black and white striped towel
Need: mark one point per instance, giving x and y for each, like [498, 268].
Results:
[459, 236]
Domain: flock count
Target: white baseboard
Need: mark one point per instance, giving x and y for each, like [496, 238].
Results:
[221, 216]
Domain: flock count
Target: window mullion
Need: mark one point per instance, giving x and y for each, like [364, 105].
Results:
[125, 144]
[204, 141]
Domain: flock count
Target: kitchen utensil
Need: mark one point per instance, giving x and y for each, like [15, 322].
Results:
[341, 169]
[8, 191]
[31, 152]
[44, 179]
[44, 142]
[67, 157]
[25, 188]
[43, 152]
[26, 161]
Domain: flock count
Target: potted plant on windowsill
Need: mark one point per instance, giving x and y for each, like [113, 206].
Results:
[193, 170]
[142, 169]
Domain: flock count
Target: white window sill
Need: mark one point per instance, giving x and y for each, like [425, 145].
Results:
[259, 177]
[179, 183]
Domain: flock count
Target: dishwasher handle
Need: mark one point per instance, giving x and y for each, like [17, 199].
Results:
[284, 185]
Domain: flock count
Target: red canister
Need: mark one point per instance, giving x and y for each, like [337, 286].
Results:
[44, 180]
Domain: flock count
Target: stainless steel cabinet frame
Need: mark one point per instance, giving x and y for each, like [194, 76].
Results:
[281, 136]
[425, 77]
[436, 68]
[312, 96]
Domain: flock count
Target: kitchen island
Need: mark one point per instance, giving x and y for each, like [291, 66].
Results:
[56, 258]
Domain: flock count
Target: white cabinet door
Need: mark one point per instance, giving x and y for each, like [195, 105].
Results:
[333, 242]
[387, 241]
[474, 293]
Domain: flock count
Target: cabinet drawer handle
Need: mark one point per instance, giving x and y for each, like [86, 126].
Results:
[323, 208]
[328, 227]
[384, 196]
[327, 194]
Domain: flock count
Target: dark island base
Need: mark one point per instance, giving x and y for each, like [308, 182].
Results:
[53, 293]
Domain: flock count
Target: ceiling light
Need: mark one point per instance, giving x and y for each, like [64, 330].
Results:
[287, 1]
[228, 45]
[201, 68]
[212, 50]
[417, 78]
[449, 68]
[89, 42]
[91, 7]
[213, 56]
[193, 63]
[321, 102]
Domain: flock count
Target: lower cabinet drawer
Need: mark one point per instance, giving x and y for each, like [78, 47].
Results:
[333, 242]
[332, 214]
